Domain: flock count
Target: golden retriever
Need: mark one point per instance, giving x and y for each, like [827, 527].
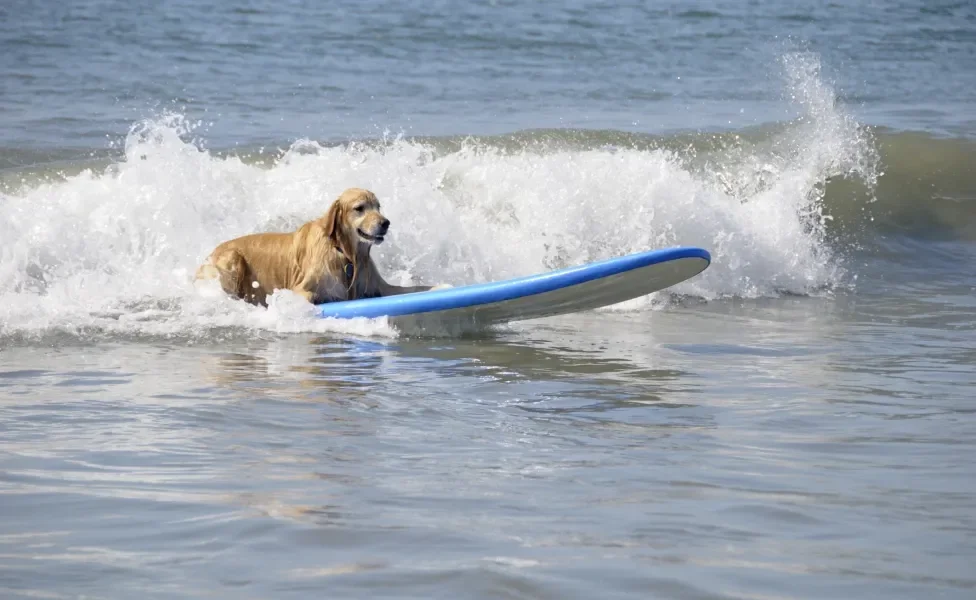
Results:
[324, 260]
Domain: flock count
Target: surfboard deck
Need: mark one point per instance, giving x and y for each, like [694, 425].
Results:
[568, 290]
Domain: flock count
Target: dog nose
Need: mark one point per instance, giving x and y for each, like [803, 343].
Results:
[385, 225]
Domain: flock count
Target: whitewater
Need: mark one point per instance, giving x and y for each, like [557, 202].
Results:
[111, 250]
[794, 423]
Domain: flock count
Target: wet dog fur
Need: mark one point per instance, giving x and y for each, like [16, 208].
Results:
[324, 260]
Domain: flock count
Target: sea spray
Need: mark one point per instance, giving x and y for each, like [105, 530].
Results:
[112, 252]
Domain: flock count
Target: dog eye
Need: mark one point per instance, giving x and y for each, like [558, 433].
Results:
[360, 208]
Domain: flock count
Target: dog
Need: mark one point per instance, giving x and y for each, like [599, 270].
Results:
[324, 260]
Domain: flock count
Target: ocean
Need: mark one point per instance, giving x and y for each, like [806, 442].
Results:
[791, 423]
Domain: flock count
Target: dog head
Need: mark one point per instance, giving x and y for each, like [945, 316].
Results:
[355, 217]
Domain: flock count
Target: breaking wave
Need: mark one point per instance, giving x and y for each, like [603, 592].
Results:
[108, 248]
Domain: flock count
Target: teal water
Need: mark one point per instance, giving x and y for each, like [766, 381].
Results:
[794, 423]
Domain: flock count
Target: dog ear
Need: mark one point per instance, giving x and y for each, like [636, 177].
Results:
[331, 220]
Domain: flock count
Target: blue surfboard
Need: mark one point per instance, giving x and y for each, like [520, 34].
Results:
[573, 289]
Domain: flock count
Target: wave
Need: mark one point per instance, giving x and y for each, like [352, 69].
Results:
[108, 247]
[922, 185]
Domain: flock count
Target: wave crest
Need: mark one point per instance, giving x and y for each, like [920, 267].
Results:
[113, 250]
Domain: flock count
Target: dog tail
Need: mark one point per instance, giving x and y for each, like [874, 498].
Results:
[207, 271]
[229, 268]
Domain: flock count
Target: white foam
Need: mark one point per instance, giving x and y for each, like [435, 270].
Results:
[115, 251]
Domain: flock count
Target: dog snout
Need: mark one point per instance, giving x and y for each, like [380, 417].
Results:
[384, 225]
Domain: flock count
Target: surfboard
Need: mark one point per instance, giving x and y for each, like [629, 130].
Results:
[572, 289]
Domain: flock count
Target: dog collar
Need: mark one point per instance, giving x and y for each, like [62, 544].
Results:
[347, 270]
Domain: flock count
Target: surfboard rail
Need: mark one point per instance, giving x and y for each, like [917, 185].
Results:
[510, 289]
